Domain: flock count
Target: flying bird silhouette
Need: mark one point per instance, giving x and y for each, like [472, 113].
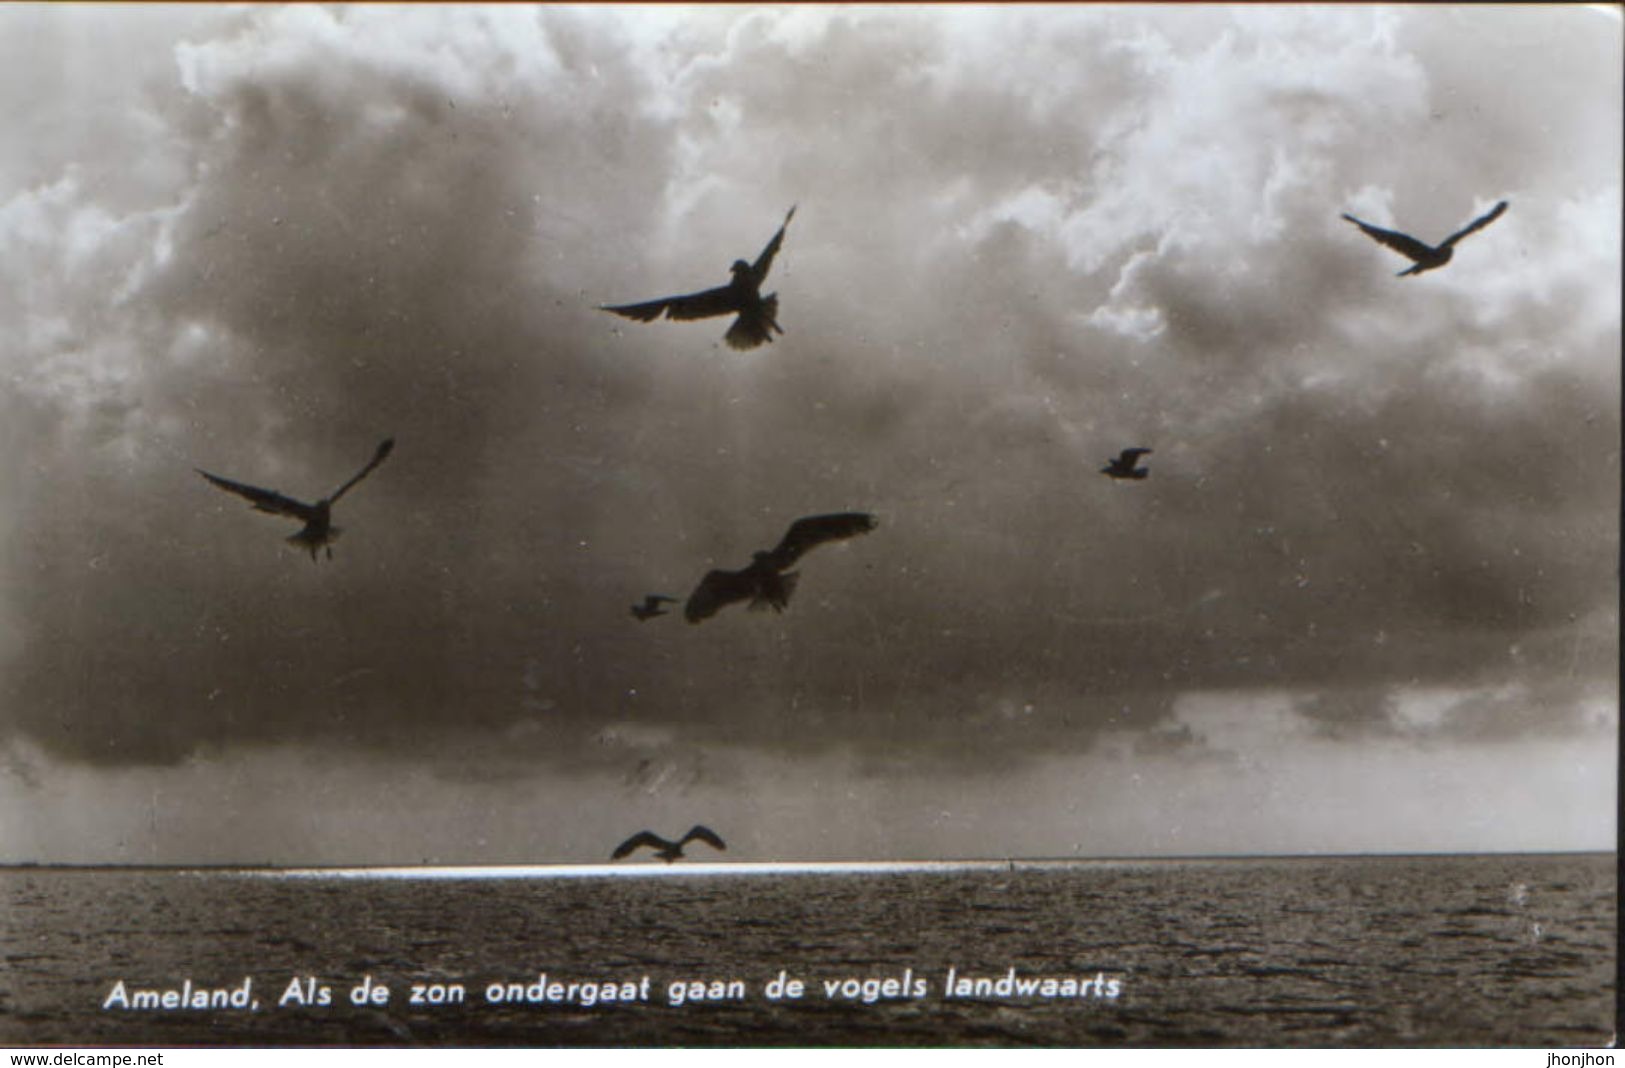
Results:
[757, 315]
[1425, 257]
[319, 531]
[1122, 465]
[767, 582]
[666, 850]
[651, 607]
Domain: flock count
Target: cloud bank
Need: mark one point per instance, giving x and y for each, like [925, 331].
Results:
[1026, 238]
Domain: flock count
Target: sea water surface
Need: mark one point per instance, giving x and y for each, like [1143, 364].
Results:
[1356, 951]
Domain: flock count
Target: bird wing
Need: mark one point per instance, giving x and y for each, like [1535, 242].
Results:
[384, 449]
[812, 531]
[764, 262]
[722, 300]
[655, 599]
[704, 834]
[1477, 224]
[642, 838]
[1404, 244]
[1129, 456]
[264, 500]
[716, 591]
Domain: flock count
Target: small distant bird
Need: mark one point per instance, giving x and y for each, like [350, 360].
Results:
[651, 607]
[668, 851]
[1122, 466]
[757, 315]
[767, 582]
[319, 531]
[1426, 257]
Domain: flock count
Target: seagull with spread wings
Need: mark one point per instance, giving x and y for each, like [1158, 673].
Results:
[651, 607]
[1122, 465]
[668, 851]
[1425, 257]
[742, 297]
[319, 531]
[768, 582]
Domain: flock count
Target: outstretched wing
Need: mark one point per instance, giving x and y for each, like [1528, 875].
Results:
[1477, 224]
[1404, 244]
[655, 599]
[642, 838]
[764, 262]
[704, 834]
[716, 591]
[1128, 457]
[384, 449]
[264, 500]
[704, 305]
[812, 531]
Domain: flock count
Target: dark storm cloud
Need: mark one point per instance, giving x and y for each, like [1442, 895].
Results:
[1000, 274]
[360, 258]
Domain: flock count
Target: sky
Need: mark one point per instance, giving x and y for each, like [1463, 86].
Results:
[1367, 600]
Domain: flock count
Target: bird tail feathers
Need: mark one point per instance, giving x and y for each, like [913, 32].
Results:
[776, 594]
[311, 543]
[755, 325]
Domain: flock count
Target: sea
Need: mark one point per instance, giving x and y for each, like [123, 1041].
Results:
[1503, 950]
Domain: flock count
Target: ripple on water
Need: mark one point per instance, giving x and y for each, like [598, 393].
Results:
[1374, 951]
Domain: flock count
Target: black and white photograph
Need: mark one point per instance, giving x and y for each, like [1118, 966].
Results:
[1069, 525]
